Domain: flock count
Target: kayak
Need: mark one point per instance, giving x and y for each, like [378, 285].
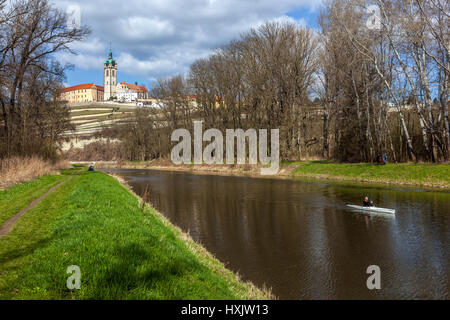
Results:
[372, 209]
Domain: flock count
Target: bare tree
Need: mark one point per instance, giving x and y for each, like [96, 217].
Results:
[262, 80]
[32, 32]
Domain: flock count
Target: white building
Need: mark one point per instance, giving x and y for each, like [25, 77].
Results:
[124, 92]
[127, 92]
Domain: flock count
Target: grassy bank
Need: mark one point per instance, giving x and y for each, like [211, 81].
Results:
[18, 197]
[94, 222]
[406, 174]
[426, 175]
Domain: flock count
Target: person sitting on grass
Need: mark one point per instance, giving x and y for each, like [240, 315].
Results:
[367, 202]
[379, 159]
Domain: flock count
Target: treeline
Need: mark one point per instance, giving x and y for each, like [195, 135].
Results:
[261, 81]
[361, 85]
[385, 79]
[31, 121]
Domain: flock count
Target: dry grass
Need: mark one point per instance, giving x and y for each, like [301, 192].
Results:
[100, 150]
[22, 169]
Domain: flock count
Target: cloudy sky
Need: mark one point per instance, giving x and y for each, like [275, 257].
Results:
[152, 39]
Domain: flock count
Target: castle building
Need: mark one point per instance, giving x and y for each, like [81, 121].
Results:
[110, 77]
[87, 92]
[112, 90]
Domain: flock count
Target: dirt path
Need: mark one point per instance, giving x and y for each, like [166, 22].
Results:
[6, 227]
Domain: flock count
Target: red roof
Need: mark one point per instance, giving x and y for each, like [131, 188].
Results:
[134, 87]
[81, 87]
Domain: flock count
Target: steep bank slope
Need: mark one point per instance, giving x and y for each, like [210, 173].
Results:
[123, 252]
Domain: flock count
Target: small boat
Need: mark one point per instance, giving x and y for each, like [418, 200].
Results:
[372, 209]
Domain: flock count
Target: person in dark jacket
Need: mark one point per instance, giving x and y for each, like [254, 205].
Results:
[384, 158]
[379, 159]
[367, 202]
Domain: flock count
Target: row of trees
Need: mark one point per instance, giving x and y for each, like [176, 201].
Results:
[381, 86]
[361, 85]
[31, 121]
[262, 80]
[380, 81]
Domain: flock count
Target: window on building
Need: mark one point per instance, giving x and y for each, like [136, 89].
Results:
[107, 73]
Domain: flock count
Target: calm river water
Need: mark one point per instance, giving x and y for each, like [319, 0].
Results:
[300, 239]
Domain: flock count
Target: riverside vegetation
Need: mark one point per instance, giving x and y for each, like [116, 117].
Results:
[409, 174]
[124, 252]
[413, 174]
[343, 92]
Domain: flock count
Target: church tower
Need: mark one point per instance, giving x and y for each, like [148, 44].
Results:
[110, 77]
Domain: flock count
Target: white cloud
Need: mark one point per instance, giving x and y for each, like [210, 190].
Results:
[145, 29]
[82, 60]
[158, 38]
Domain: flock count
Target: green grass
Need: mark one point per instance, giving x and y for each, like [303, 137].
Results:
[90, 112]
[99, 114]
[18, 197]
[428, 175]
[94, 222]
[87, 108]
[101, 106]
[103, 117]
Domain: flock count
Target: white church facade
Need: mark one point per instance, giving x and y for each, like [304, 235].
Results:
[122, 92]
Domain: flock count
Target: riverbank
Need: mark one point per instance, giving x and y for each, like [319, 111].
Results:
[436, 176]
[405, 174]
[123, 251]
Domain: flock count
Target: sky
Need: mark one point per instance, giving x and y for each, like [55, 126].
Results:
[153, 39]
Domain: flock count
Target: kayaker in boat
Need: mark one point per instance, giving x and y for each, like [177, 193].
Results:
[367, 202]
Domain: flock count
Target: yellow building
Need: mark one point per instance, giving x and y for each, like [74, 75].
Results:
[87, 92]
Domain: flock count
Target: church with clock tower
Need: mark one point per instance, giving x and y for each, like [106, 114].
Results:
[111, 90]
[110, 77]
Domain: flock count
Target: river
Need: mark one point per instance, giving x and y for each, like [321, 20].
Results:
[299, 239]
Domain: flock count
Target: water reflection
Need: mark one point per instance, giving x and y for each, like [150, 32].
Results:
[299, 238]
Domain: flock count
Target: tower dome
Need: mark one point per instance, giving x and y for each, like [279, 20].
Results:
[110, 77]
[110, 59]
